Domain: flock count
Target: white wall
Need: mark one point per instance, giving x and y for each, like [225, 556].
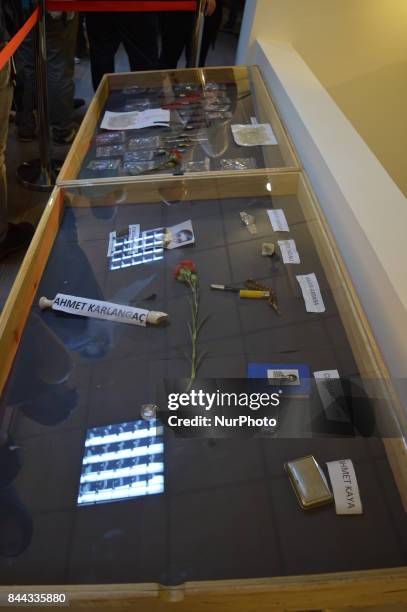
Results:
[358, 51]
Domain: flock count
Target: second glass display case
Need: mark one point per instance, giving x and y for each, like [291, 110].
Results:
[205, 120]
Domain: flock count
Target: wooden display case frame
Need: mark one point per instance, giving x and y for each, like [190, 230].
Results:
[323, 591]
[266, 112]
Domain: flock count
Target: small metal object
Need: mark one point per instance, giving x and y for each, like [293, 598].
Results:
[249, 222]
[226, 288]
[243, 293]
[254, 295]
[168, 237]
[257, 286]
[268, 249]
[122, 233]
[150, 297]
[149, 412]
[184, 140]
[40, 174]
[309, 482]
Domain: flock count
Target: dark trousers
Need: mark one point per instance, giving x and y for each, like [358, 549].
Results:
[137, 32]
[6, 96]
[81, 42]
[176, 35]
[61, 41]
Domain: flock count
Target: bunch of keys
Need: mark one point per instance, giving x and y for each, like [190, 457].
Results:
[254, 285]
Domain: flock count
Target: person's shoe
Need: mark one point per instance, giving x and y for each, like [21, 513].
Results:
[64, 137]
[78, 103]
[26, 134]
[18, 237]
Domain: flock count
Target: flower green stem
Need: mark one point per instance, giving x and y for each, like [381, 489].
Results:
[194, 330]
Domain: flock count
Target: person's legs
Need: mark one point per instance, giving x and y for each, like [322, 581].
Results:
[61, 43]
[6, 96]
[139, 35]
[176, 31]
[25, 119]
[12, 237]
[235, 8]
[210, 33]
[81, 42]
[104, 41]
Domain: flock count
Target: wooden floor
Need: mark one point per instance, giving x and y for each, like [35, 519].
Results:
[28, 205]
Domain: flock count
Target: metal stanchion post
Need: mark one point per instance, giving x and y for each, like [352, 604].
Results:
[40, 174]
[197, 34]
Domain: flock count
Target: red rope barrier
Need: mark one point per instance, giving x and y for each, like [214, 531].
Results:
[136, 6]
[18, 38]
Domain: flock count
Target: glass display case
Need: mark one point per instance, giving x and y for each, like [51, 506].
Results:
[206, 120]
[99, 487]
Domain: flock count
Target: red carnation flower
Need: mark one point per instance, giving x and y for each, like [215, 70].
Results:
[176, 154]
[187, 265]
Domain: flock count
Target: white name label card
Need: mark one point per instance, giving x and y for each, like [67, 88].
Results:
[345, 487]
[278, 220]
[100, 310]
[112, 244]
[289, 251]
[330, 390]
[311, 293]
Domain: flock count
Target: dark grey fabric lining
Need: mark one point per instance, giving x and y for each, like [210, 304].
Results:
[228, 510]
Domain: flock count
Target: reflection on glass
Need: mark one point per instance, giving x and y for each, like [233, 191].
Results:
[133, 250]
[122, 461]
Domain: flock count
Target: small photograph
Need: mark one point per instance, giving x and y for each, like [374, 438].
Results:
[238, 163]
[198, 166]
[136, 156]
[101, 165]
[116, 150]
[135, 168]
[179, 235]
[134, 89]
[144, 142]
[110, 138]
[212, 86]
